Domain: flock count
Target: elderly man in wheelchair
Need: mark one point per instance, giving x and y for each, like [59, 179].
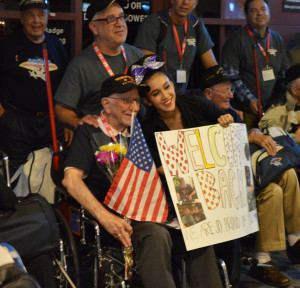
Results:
[88, 180]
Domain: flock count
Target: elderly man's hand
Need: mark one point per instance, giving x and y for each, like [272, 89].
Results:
[225, 120]
[117, 227]
[263, 141]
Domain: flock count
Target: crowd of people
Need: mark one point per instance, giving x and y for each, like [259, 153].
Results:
[96, 93]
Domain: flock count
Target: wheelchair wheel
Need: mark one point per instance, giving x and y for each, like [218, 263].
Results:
[66, 259]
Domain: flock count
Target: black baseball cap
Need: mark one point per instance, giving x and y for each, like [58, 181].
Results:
[99, 6]
[215, 75]
[28, 4]
[120, 83]
[292, 73]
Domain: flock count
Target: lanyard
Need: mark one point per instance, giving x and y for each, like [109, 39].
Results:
[104, 62]
[107, 127]
[263, 51]
[181, 49]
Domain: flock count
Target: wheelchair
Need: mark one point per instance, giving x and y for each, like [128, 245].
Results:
[80, 251]
[107, 261]
[88, 256]
[100, 265]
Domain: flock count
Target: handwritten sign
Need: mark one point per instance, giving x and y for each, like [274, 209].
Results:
[210, 180]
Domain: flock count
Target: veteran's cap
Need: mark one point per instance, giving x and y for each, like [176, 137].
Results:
[120, 83]
[99, 6]
[28, 4]
[214, 75]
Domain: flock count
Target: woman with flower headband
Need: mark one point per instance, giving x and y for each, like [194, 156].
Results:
[168, 113]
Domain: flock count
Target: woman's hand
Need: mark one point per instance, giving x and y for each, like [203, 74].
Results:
[225, 120]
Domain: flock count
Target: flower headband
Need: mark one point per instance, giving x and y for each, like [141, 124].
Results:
[138, 71]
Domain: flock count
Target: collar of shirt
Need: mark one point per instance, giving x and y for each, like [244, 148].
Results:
[257, 34]
[125, 133]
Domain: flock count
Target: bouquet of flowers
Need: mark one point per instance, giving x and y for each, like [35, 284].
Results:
[109, 157]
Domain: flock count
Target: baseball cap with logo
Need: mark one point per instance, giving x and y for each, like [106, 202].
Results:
[28, 4]
[215, 75]
[120, 83]
[98, 6]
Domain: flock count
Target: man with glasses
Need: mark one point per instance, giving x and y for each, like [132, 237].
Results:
[278, 204]
[286, 116]
[119, 98]
[77, 98]
[217, 87]
[88, 181]
[24, 112]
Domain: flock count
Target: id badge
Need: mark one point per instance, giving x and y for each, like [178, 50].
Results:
[180, 76]
[268, 74]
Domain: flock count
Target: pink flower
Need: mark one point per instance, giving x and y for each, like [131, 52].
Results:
[107, 157]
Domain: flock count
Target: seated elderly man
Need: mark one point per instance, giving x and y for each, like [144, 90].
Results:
[278, 204]
[152, 242]
[287, 116]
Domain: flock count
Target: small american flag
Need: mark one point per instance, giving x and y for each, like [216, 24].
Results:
[136, 191]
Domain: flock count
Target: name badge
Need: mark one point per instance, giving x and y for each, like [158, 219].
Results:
[180, 76]
[268, 74]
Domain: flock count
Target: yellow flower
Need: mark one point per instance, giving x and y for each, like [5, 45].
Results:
[114, 148]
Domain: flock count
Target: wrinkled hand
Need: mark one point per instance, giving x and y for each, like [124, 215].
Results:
[68, 136]
[117, 227]
[294, 117]
[225, 120]
[266, 142]
[89, 119]
[254, 107]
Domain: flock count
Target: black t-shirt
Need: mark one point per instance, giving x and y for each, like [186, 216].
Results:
[81, 155]
[22, 77]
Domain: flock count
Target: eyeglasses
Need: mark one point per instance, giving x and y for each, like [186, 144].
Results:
[224, 92]
[113, 19]
[126, 100]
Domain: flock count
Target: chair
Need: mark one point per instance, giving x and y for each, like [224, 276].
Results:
[106, 261]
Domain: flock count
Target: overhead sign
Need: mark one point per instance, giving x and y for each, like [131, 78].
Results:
[137, 11]
[292, 6]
